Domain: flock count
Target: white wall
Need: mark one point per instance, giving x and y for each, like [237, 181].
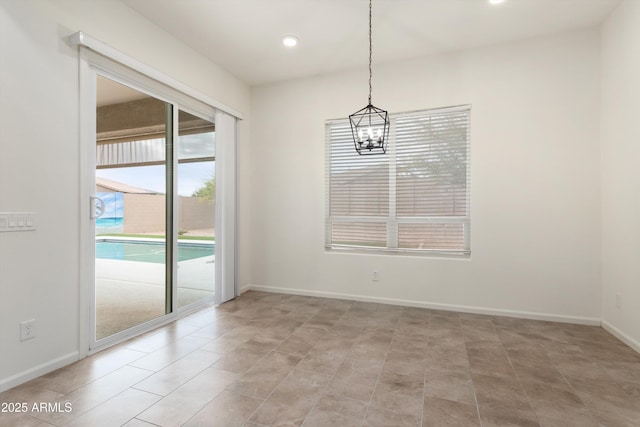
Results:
[536, 205]
[620, 166]
[535, 181]
[39, 159]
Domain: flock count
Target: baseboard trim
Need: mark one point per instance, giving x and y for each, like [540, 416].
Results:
[37, 371]
[591, 321]
[621, 336]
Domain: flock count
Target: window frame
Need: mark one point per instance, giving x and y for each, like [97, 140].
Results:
[392, 220]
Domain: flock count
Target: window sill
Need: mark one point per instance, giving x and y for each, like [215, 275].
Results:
[363, 250]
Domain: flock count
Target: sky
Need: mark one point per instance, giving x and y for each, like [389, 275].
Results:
[191, 176]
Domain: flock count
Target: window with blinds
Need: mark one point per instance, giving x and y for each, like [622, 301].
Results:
[415, 198]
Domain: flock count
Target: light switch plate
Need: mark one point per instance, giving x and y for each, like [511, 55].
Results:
[17, 221]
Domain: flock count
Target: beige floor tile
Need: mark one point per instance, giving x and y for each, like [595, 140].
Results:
[275, 359]
[225, 343]
[297, 345]
[622, 371]
[549, 396]
[321, 322]
[13, 419]
[346, 332]
[334, 340]
[608, 401]
[281, 330]
[179, 372]
[334, 411]
[186, 401]
[238, 361]
[259, 344]
[179, 329]
[472, 334]
[413, 327]
[378, 417]
[502, 417]
[374, 340]
[577, 366]
[493, 391]
[610, 418]
[138, 423]
[81, 373]
[494, 367]
[227, 409]
[400, 394]
[447, 359]
[446, 413]
[151, 341]
[243, 333]
[401, 342]
[372, 357]
[555, 402]
[292, 400]
[32, 392]
[117, 410]
[355, 380]
[213, 330]
[571, 419]
[324, 361]
[542, 374]
[405, 363]
[452, 385]
[170, 353]
[93, 394]
[264, 377]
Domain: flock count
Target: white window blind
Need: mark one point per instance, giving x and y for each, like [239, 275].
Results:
[416, 198]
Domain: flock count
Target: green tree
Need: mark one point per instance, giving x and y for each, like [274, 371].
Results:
[207, 192]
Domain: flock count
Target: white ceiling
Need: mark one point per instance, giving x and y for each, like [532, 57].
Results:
[244, 36]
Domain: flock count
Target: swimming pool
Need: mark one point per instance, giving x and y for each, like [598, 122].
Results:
[146, 251]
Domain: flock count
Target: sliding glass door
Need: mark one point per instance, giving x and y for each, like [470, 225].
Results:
[154, 207]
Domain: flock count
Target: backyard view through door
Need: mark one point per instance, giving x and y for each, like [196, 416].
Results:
[196, 209]
[155, 224]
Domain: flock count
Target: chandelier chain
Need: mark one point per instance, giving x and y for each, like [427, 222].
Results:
[370, 52]
[370, 125]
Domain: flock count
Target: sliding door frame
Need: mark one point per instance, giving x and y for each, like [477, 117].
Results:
[93, 64]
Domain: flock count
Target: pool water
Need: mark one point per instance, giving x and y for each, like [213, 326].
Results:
[150, 251]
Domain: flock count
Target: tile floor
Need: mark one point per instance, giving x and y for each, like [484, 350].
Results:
[282, 360]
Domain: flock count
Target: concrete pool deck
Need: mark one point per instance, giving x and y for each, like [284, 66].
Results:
[198, 273]
[131, 292]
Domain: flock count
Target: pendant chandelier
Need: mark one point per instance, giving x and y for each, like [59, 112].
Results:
[370, 125]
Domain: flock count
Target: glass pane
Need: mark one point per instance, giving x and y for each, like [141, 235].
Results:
[130, 233]
[432, 160]
[359, 185]
[196, 209]
[359, 234]
[431, 236]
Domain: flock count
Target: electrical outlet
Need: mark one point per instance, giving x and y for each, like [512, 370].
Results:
[375, 276]
[618, 301]
[27, 329]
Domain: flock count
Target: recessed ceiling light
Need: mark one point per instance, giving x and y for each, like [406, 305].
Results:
[496, 1]
[289, 41]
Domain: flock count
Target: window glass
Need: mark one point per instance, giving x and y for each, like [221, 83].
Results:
[414, 198]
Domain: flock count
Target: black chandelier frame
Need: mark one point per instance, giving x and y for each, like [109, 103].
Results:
[370, 125]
